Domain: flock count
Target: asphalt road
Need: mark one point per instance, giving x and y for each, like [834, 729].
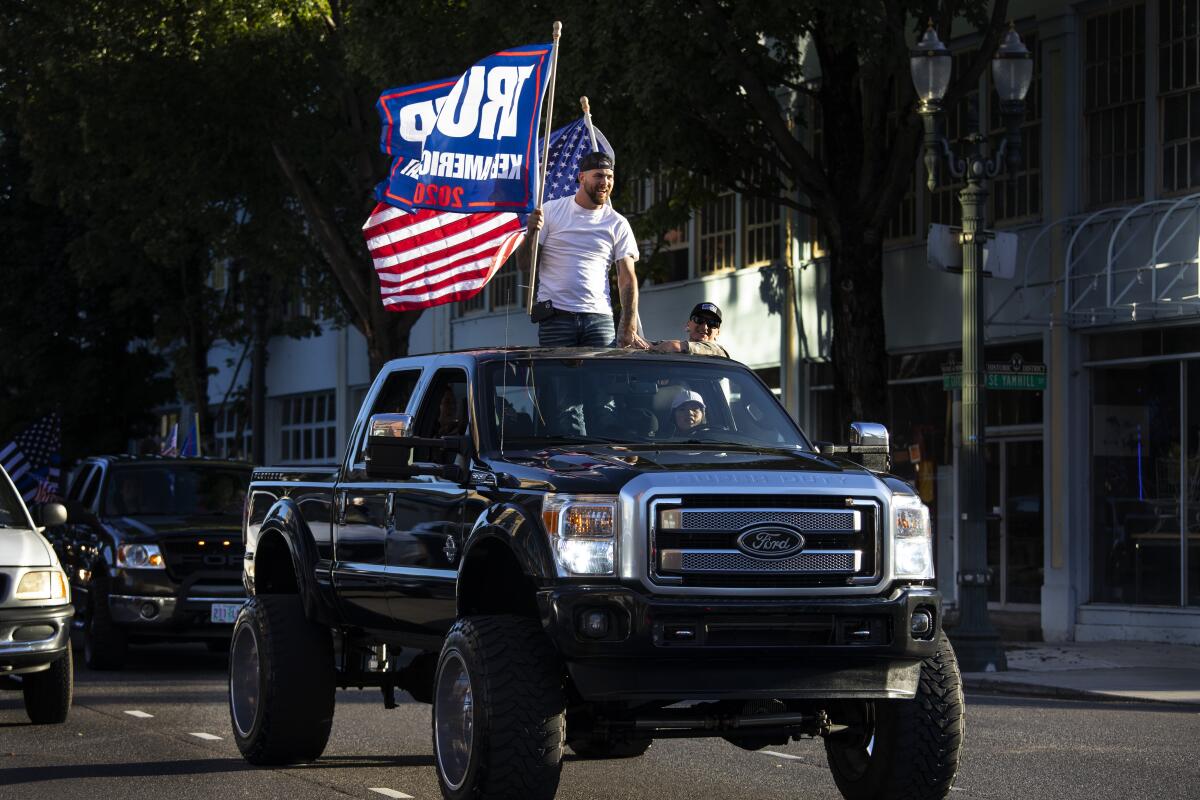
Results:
[178, 746]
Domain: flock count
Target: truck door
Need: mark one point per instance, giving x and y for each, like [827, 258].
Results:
[424, 543]
[363, 513]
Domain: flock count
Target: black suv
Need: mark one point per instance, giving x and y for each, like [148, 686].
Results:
[154, 551]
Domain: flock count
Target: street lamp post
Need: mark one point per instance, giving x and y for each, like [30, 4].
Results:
[976, 640]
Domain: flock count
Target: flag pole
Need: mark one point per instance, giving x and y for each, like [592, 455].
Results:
[587, 120]
[533, 248]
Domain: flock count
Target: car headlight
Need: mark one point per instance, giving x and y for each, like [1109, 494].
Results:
[43, 585]
[140, 556]
[583, 532]
[913, 538]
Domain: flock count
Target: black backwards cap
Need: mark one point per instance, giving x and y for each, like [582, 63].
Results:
[597, 160]
[707, 309]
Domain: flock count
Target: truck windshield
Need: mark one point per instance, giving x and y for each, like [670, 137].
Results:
[11, 513]
[537, 402]
[170, 489]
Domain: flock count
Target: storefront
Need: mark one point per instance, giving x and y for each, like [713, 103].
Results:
[1145, 468]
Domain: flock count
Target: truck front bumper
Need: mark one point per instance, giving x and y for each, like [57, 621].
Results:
[655, 647]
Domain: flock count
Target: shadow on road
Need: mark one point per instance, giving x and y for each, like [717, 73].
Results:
[979, 697]
[197, 766]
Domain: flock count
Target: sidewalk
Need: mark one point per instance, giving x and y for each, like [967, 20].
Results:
[1140, 671]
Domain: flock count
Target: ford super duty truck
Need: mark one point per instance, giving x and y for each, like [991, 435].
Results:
[593, 550]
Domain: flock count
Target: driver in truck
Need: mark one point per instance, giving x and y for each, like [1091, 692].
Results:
[688, 412]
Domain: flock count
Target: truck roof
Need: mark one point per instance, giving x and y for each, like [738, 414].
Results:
[485, 354]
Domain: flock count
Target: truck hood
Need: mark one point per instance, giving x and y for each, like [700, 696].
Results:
[156, 527]
[24, 548]
[603, 468]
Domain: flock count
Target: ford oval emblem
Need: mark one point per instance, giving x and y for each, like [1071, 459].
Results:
[770, 541]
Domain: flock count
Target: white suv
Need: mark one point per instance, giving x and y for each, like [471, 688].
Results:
[35, 610]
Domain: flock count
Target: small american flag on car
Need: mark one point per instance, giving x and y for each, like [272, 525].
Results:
[32, 459]
[428, 258]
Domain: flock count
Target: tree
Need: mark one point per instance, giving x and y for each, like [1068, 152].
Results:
[133, 118]
[65, 339]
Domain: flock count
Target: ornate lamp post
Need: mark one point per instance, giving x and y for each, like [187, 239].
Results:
[975, 640]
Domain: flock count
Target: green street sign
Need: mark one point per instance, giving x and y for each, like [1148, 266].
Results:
[1012, 375]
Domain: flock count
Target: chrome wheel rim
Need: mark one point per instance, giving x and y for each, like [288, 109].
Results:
[454, 720]
[244, 684]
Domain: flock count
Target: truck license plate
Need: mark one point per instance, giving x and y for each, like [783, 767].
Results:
[225, 612]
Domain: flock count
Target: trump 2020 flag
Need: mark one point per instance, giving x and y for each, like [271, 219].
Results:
[427, 258]
[481, 153]
[406, 116]
[32, 459]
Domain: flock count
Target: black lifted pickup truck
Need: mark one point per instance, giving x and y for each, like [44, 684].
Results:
[556, 550]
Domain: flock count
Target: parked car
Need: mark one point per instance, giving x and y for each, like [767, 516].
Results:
[154, 551]
[35, 610]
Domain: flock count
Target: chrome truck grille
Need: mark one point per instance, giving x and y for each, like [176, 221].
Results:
[702, 541]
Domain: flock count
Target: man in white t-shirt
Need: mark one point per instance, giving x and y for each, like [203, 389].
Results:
[579, 237]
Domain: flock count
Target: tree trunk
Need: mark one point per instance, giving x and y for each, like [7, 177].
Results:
[859, 349]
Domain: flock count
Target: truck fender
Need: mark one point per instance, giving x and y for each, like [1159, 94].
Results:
[284, 522]
[522, 534]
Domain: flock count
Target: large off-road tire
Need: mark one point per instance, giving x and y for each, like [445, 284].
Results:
[105, 645]
[281, 682]
[498, 711]
[48, 693]
[592, 748]
[905, 749]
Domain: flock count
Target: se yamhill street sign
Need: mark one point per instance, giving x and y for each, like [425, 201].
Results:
[1014, 374]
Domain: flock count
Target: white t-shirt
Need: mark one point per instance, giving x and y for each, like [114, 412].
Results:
[576, 245]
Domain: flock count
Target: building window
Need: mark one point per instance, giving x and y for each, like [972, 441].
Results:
[1145, 483]
[718, 235]
[944, 205]
[502, 290]
[1114, 83]
[471, 304]
[308, 428]
[1018, 195]
[671, 259]
[763, 224]
[1179, 94]
[231, 434]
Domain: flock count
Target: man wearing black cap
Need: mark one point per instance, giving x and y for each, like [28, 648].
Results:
[703, 327]
[579, 237]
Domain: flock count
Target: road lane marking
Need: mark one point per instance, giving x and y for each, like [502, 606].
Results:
[206, 736]
[392, 793]
[782, 755]
[139, 714]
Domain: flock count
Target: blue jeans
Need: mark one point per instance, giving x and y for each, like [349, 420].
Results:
[568, 329]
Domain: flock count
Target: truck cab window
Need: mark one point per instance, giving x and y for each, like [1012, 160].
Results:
[444, 412]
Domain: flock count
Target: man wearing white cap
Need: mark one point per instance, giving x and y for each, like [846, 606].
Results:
[688, 412]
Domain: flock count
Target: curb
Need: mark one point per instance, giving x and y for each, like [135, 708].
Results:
[993, 686]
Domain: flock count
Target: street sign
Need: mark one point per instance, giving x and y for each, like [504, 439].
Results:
[1015, 374]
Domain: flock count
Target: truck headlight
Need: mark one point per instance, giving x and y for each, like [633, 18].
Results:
[43, 585]
[913, 538]
[583, 532]
[140, 556]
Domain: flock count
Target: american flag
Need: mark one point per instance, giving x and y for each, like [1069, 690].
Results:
[32, 459]
[428, 258]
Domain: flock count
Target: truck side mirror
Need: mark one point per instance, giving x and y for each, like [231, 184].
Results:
[868, 445]
[50, 515]
[389, 449]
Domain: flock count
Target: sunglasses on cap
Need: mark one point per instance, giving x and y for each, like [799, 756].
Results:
[702, 320]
